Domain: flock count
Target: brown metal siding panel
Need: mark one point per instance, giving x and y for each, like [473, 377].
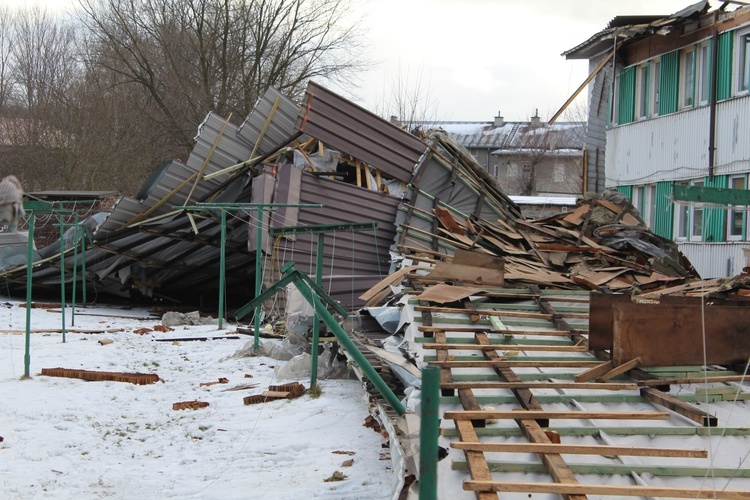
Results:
[347, 127]
[359, 264]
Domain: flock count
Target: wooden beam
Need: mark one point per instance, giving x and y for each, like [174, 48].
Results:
[565, 449]
[601, 489]
[542, 385]
[533, 429]
[489, 329]
[594, 372]
[506, 347]
[478, 468]
[485, 312]
[683, 408]
[689, 380]
[618, 370]
[566, 415]
[581, 87]
[501, 363]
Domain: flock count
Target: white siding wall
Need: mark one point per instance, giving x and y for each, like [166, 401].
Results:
[675, 146]
[716, 260]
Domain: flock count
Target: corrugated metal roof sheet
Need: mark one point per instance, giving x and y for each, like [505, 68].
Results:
[280, 126]
[351, 129]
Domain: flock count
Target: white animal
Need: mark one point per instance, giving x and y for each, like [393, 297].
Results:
[11, 203]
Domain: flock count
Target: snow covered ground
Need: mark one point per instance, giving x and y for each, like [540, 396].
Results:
[68, 438]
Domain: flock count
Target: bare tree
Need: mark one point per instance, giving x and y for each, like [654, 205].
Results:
[6, 48]
[190, 57]
[409, 100]
[42, 68]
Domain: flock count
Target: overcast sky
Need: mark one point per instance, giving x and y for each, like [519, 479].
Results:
[474, 58]
[479, 57]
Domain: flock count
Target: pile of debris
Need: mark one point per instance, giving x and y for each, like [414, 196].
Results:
[602, 245]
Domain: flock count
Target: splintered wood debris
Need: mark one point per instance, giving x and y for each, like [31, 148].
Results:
[284, 391]
[190, 405]
[601, 245]
[133, 378]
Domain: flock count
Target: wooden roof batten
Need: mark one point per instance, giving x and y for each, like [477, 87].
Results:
[471, 426]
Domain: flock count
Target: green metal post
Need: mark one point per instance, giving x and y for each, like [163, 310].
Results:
[83, 266]
[316, 322]
[222, 267]
[62, 276]
[428, 433]
[347, 344]
[75, 271]
[258, 277]
[29, 270]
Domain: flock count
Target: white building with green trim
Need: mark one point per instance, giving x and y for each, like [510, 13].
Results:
[670, 105]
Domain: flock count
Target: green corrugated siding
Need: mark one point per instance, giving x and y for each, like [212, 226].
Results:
[669, 80]
[724, 73]
[664, 216]
[715, 219]
[626, 96]
[626, 190]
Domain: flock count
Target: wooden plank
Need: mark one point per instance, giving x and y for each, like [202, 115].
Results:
[478, 468]
[389, 280]
[576, 216]
[683, 408]
[604, 386]
[594, 372]
[565, 449]
[486, 312]
[618, 370]
[445, 374]
[523, 395]
[442, 293]
[566, 415]
[478, 259]
[555, 247]
[487, 329]
[690, 380]
[506, 347]
[469, 274]
[601, 489]
[501, 363]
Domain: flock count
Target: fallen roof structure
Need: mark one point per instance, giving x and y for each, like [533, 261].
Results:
[500, 300]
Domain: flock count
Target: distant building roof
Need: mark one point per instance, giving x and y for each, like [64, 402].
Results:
[512, 135]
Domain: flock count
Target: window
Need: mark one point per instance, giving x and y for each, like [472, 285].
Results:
[682, 214]
[496, 171]
[638, 199]
[649, 207]
[736, 216]
[689, 219]
[526, 168]
[655, 76]
[687, 78]
[558, 173]
[696, 218]
[743, 62]
[704, 81]
[642, 91]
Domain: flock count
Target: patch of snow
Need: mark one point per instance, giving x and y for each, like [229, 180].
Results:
[67, 438]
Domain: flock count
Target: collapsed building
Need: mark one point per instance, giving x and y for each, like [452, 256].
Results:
[448, 274]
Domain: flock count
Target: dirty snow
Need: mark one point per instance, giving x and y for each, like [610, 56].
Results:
[67, 438]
